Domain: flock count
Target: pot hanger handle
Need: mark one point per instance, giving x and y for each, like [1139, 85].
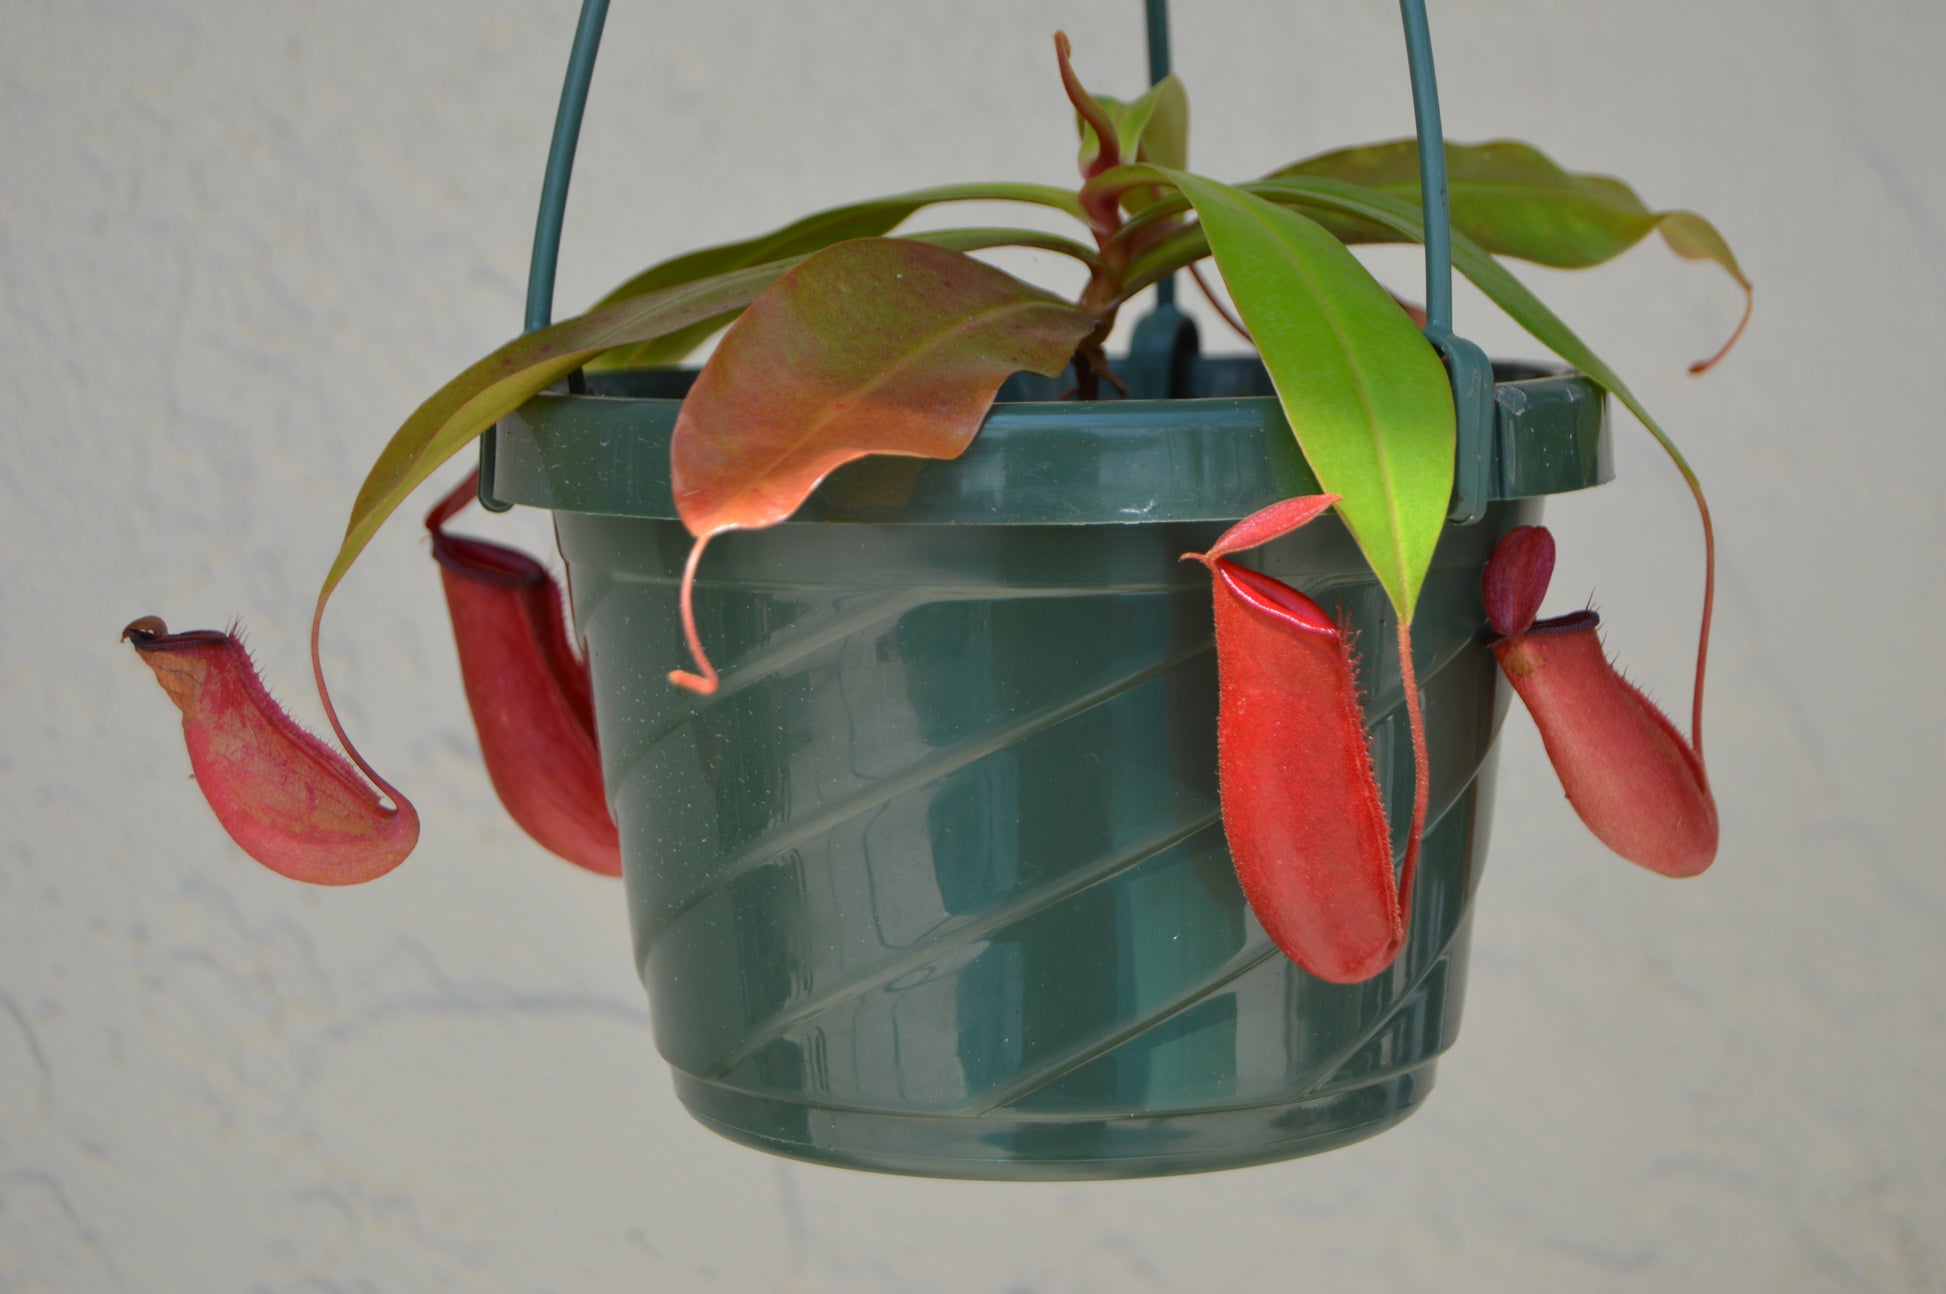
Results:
[560, 164]
[1467, 366]
[1432, 166]
[554, 204]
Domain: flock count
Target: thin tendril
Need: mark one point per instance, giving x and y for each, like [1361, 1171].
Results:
[704, 683]
[391, 792]
[1705, 365]
[1236, 324]
[1421, 770]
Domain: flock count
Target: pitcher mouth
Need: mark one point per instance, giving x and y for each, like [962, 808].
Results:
[1572, 622]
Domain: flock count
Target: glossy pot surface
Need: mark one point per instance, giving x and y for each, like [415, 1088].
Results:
[936, 883]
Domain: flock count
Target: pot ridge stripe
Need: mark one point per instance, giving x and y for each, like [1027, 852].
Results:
[951, 936]
[945, 761]
[1052, 1070]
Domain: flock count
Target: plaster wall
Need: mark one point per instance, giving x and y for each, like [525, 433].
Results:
[240, 241]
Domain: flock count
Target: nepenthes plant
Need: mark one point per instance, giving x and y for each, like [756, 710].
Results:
[842, 338]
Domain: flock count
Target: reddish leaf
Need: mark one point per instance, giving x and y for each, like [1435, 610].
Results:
[528, 690]
[1259, 528]
[1638, 786]
[290, 801]
[870, 346]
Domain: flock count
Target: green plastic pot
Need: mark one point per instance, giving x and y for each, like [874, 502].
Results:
[936, 883]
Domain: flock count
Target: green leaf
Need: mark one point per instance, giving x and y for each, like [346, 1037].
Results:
[871, 346]
[1364, 392]
[1164, 140]
[1512, 296]
[797, 239]
[981, 239]
[1513, 200]
[663, 352]
[1153, 127]
[500, 383]
[677, 345]
[1334, 198]
[1403, 221]
[1127, 117]
[1501, 287]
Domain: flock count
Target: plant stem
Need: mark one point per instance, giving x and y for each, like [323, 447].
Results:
[1223, 311]
[1421, 769]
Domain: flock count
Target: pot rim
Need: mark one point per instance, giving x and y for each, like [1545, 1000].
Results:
[1216, 456]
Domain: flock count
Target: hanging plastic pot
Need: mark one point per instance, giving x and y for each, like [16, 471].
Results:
[936, 881]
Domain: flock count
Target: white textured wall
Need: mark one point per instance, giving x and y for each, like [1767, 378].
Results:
[239, 241]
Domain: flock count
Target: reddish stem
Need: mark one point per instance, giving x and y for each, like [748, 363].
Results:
[1223, 312]
[1421, 770]
[1705, 365]
[1104, 212]
[1709, 610]
[331, 716]
[1108, 152]
[702, 684]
